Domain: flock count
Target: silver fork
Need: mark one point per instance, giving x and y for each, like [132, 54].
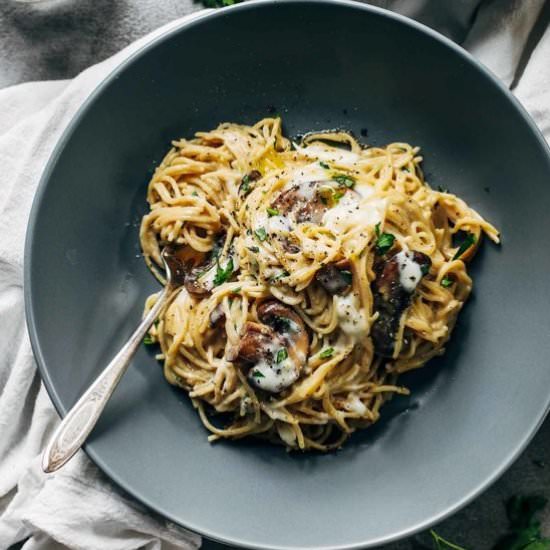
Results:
[77, 424]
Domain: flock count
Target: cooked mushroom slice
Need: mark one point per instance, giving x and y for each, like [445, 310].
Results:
[396, 280]
[217, 315]
[289, 327]
[201, 267]
[335, 278]
[255, 344]
[275, 350]
[303, 201]
[309, 201]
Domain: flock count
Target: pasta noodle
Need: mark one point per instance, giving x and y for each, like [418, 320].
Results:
[316, 273]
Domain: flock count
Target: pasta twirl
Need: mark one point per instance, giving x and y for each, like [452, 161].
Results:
[317, 272]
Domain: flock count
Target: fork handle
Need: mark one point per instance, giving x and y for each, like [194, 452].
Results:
[77, 424]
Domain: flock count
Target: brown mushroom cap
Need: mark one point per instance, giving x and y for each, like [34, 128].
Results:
[289, 326]
[255, 342]
[303, 202]
[194, 265]
[280, 327]
[391, 301]
[335, 278]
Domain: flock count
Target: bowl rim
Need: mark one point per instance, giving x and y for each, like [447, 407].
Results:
[152, 40]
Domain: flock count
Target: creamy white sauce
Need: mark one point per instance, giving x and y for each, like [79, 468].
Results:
[330, 154]
[364, 189]
[351, 212]
[278, 225]
[354, 404]
[351, 319]
[409, 270]
[306, 174]
[272, 376]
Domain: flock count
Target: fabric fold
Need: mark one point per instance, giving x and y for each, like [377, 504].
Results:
[78, 508]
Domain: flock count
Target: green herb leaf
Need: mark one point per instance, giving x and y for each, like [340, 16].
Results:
[347, 276]
[377, 229]
[257, 374]
[441, 543]
[280, 275]
[223, 275]
[282, 354]
[195, 194]
[384, 241]
[446, 282]
[324, 165]
[246, 186]
[337, 195]
[442, 189]
[147, 340]
[261, 234]
[326, 353]
[542, 544]
[524, 528]
[254, 249]
[219, 3]
[237, 290]
[344, 180]
[272, 211]
[521, 510]
[466, 243]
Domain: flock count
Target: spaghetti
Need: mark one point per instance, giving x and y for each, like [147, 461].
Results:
[316, 273]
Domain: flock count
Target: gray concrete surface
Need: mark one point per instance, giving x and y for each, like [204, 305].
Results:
[55, 39]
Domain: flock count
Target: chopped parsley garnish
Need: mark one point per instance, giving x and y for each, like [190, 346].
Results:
[326, 353]
[223, 274]
[442, 189]
[245, 185]
[254, 249]
[384, 241]
[344, 180]
[347, 276]
[195, 194]
[424, 269]
[446, 281]
[147, 340]
[468, 241]
[280, 275]
[261, 234]
[257, 374]
[324, 165]
[237, 290]
[282, 354]
[272, 211]
[337, 195]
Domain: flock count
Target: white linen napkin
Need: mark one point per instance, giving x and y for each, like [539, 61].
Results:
[78, 508]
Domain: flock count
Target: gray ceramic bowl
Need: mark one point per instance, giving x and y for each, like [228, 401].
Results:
[320, 64]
